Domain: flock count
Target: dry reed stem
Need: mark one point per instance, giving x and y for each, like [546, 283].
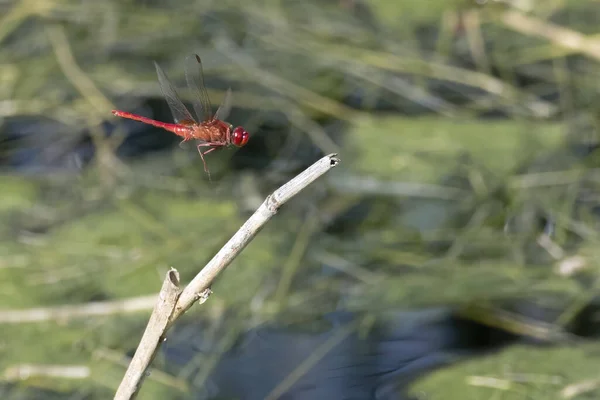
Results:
[172, 303]
[153, 335]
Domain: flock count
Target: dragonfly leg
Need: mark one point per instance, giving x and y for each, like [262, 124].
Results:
[202, 156]
[212, 147]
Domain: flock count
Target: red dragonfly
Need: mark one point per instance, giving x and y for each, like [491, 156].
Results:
[210, 128]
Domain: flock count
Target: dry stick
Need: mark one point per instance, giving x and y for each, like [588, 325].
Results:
[153, 335]
[164, 315]
[558, 35]
[246, 233]
[63, 313]
[23, 372]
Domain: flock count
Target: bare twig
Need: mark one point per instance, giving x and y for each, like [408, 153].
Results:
[163, 378]
[61, 313]
[153, 335]
[580, 388]
[558, 35]
[172, 305]
[26, 371]
[244, 235]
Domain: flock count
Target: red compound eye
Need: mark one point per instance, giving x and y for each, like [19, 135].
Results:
[240, 137]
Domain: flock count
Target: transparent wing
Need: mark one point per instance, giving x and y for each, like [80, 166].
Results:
[181, 114]
[194, 75]
[225, 107]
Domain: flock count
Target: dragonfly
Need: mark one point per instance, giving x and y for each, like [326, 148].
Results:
[210, 129]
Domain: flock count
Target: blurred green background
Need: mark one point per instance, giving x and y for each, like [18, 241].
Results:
[468, 134]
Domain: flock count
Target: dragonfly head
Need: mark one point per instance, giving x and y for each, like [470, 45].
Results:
[239, 136]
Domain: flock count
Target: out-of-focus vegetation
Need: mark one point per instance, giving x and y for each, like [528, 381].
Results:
[468, 133]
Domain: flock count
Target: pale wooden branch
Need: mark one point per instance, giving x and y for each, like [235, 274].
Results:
[153, 335]
[64, 313]
[246, 233]
[23, 372]
[171, 304]
[560, 36]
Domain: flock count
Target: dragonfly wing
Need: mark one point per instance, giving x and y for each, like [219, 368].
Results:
[180, 112]
[194, 75]
[225, 107]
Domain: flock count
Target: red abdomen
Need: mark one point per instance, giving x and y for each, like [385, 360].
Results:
[180, 130]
